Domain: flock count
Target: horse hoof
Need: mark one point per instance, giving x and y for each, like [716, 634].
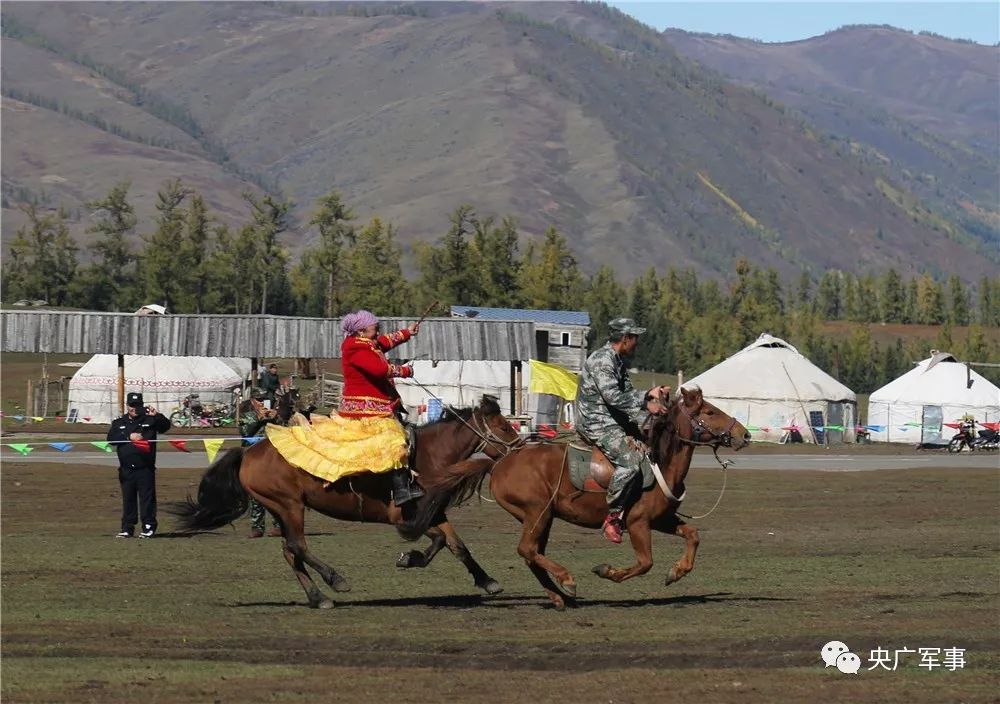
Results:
[671, 578]
[341, 585]
[602, 570]
[491, 587]
[567, 589]
[413, 558]
[325, 604]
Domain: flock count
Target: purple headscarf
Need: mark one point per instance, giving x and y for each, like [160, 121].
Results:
[354, 323]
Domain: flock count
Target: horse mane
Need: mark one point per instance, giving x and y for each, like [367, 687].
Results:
[664, 424]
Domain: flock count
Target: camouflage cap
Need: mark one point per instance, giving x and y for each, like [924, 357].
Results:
[624, 326]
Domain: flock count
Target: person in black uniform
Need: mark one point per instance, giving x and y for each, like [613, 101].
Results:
[137, 463]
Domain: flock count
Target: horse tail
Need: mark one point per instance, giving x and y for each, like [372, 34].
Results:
[453, 486]
[221, 497]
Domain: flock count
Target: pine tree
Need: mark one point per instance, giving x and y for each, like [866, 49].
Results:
[333, 219]
[108, 283]
[930, 301]
[495, 255]
[270, 219]
[549, 278]
[604, 301]
[163, 269]
[989, 302]
[828, 296]
[448, 273]
[194, 253]
[892, 298]
[374, 271]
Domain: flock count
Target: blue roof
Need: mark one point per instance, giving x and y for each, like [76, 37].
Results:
[554, 317]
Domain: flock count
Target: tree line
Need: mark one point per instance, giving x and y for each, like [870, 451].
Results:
[192, 262]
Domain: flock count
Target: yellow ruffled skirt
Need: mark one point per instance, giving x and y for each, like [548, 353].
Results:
[335, 447]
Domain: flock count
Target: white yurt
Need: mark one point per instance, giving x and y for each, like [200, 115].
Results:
[915, 407]
[163, 381]
[769, 387]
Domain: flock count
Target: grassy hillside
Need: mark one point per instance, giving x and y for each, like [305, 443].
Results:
[560, 114]
[922, 108]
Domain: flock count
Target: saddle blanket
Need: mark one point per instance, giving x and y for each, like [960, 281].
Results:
[590, 470]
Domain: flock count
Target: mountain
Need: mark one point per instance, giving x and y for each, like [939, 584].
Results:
[923, 107]
[563, 114]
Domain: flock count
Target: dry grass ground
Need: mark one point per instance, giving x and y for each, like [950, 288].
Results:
[791, 560]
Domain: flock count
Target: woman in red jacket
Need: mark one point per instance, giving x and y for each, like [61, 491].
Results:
[366, 435]
[369, 389]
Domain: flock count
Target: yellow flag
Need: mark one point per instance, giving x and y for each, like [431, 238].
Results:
[37, 419]
[552, 379]
[212, 448]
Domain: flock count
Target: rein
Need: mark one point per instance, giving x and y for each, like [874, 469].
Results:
[718, 440]
[488, 437]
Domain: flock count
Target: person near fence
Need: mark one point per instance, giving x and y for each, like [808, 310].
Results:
[253, 420]
[269, 383]
[134, 438]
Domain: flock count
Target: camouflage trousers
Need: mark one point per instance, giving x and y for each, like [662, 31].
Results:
[257, 512]
[625, 455]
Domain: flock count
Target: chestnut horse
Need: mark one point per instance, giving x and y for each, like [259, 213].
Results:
[532, 483]
[260, 471]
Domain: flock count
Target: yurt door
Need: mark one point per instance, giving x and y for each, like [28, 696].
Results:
[834, 416]
[931, 425]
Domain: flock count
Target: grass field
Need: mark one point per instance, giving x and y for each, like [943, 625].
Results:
[791, 560]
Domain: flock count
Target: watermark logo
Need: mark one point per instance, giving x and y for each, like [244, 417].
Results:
[837, 654]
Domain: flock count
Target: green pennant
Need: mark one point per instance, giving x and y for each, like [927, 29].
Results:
[102, 445]
[22, 448]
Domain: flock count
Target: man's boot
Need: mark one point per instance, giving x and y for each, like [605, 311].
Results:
[613, 525]
[404, 489]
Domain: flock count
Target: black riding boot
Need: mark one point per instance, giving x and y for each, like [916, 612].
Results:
[404, 489]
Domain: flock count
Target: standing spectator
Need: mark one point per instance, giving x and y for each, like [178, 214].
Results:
[253, 420]
[134, 436]
[269, 383]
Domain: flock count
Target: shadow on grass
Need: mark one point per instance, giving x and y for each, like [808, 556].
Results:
[466, 601]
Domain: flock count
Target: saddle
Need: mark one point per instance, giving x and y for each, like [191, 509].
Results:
[590, 470]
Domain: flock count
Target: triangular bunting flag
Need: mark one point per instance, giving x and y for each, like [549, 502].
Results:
[22, 448]
[212, 448]
[180, 445]
[103, 445]
[61, 446]
[37, 419]
[142, 445]
[86, 418]
[253, 440]
[60, 418]
[18, 417]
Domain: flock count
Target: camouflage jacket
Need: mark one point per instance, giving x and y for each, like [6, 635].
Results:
[605, 398]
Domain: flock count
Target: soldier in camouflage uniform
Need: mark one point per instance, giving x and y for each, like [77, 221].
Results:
[253, 420]
[610, 412]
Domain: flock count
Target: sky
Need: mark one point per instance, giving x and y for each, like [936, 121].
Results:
[791, 21]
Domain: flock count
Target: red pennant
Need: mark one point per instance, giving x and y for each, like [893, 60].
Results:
[59, 417]
[142, 445]
[86, 419]
[179, 444]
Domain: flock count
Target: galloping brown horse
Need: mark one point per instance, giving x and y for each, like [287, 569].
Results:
[532, 483]
[260, 471]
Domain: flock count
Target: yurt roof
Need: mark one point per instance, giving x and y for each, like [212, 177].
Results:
[770, 369]
[940, 380]
[161, 371]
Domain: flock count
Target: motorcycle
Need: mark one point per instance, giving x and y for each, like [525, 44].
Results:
[967, 436]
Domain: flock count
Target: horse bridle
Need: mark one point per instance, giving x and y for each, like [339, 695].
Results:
[488, 436]
[698, 427]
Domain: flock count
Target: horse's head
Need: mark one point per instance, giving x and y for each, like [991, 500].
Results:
[490, 431]
[708, 424]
